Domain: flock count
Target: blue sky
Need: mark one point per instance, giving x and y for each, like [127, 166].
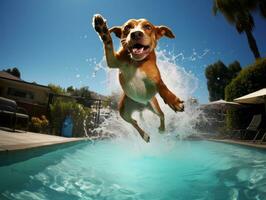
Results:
[53, 41]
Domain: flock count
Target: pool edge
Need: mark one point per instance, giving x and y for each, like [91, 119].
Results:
[16, 141]
[241, 143]
[22, 147]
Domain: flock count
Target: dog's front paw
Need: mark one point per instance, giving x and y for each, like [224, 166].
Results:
[177, 105]
[99, 24]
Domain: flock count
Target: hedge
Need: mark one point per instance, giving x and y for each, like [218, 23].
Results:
[250, 79]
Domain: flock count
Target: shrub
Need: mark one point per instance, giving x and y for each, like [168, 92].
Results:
[250, 79]
[39, 124]
[80, 115]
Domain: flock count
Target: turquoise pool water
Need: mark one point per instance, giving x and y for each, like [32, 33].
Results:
[123, 170]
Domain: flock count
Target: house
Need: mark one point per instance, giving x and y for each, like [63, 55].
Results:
[33, 97]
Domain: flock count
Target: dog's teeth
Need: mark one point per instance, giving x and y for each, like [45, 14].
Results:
[138, 51]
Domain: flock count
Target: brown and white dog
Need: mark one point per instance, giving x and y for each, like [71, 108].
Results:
[138, 73]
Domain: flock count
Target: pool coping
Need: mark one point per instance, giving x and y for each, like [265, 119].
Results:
[239, 142]
[16, 141]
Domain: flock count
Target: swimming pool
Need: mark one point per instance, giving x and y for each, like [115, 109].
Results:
[124, 170]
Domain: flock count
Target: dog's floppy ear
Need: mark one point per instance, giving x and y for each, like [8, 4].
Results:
[117, 30]
[163, 31]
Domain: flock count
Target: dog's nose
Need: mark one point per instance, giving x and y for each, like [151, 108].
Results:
[136, 35]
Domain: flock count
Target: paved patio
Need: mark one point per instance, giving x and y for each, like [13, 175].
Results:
[10, 141]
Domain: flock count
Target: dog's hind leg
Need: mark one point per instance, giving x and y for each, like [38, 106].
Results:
[155, 108]
[126, 108]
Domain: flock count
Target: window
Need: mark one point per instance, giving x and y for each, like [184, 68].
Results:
[20, 93]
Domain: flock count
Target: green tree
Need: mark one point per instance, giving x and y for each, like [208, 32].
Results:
[14, 71]
[237, 12]
[70, 89]
[219, 76]
[56, 89]
[234, 69]
[81, 92]
[84, 92]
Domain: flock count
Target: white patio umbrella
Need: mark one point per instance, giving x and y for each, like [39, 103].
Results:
[221, 105]
[258, 97]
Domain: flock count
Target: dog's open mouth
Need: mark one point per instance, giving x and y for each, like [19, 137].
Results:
[139, 51]
[139, 48]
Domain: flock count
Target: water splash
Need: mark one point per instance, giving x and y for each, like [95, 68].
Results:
[179, 81]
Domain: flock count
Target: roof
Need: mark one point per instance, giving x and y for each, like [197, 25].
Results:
[257, 97]
[6, 75]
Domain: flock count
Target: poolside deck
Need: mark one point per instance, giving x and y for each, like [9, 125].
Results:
[10, 141]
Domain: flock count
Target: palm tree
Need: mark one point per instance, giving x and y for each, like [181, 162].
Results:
[237, 12]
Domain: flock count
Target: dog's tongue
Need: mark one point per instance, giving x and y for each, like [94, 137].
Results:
[138, 51]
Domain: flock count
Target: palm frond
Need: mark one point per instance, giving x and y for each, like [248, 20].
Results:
[262, 7]
[244, 21]
[214, 8]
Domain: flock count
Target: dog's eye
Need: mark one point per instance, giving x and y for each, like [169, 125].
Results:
[127, 27]
[147, 27]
